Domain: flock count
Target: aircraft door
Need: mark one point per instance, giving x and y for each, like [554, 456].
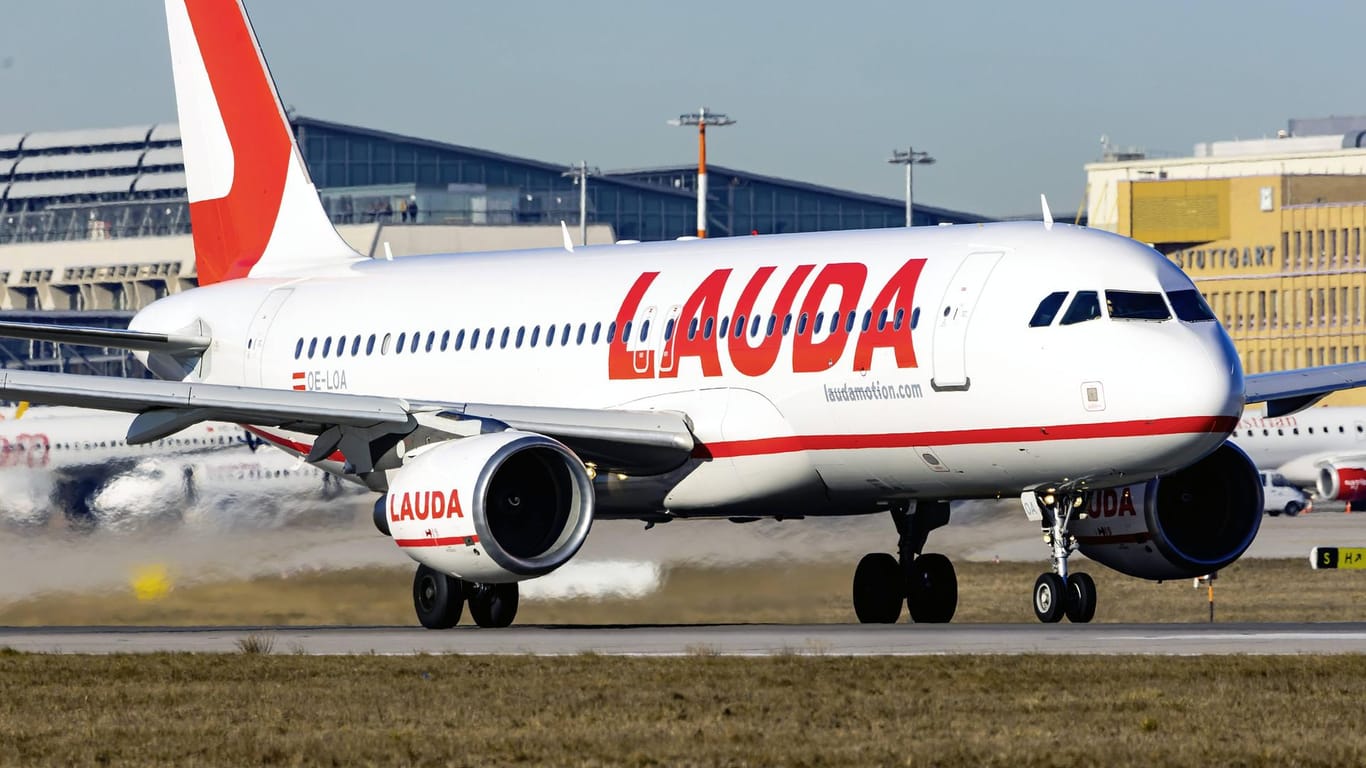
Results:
[952, 319]
[669, 332]
[256, 335]
[638, 343]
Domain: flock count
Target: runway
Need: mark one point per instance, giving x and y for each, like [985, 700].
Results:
[725, 640]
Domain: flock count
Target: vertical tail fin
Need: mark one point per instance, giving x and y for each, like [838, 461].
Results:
[254, 211]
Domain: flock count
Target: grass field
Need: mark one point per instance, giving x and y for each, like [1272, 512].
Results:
[1251, 590]
[252, 709]
[269, 706]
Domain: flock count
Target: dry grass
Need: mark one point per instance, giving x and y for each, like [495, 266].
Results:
[698, 710]
[1252, 590]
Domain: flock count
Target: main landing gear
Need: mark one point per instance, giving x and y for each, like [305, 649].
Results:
[439, 600]
[1061, 593]
[926, 583]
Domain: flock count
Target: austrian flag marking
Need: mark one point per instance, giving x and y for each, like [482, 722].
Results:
[299, 383]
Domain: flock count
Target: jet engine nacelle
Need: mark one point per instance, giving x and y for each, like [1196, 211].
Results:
[1189, 523]
[1342, 482]
[493, 508]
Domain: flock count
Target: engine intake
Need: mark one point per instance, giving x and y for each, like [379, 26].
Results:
[1189, 523]
[493, 508]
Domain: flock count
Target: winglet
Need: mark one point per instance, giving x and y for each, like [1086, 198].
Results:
[568, 242]
[1047, 214]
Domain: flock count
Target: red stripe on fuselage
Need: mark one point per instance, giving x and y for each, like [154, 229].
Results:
[772, 445]
[1000, 435]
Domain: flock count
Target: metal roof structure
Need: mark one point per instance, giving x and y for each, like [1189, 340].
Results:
[53, 182]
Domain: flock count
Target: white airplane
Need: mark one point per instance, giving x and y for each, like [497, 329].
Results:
[80, 464]
[500, 403]
[1319, 448]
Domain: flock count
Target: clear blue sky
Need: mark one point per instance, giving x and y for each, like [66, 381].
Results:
[1011, 98]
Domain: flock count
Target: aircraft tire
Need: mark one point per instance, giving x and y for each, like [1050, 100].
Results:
[1050, 598]
[878, 589]
[495, 606]
[1081, 598]
[932, 589]
[437, 598]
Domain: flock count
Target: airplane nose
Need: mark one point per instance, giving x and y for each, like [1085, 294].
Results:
[1213, 374]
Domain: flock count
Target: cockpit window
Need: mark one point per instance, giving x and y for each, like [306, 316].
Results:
[1133, 305]
[1086, 306]
[1048, 309]
[1190, 306]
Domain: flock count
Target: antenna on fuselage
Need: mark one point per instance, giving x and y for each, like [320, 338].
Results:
[1047, 214]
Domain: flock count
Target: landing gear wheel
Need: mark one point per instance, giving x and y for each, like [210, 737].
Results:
[878, 589]
[437, 598]
[1081, 598]
[1050, 598]
[931, 589]
[495, 605]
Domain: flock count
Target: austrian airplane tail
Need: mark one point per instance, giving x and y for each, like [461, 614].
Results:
[254, 211]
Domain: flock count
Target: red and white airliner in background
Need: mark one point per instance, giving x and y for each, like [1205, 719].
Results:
[500, 403]
[1319, 448]
[77, 463]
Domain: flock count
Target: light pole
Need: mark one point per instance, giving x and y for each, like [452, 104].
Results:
[908, 158]
[580, 173]
[702, 119]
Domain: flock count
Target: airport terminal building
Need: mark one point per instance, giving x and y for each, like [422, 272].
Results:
[1269, 229]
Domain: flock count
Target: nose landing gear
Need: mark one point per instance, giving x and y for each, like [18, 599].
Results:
[1061, 593]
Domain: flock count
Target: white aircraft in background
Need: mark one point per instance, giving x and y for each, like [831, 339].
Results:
[78, 463]
[499, 403]
[1319, 448]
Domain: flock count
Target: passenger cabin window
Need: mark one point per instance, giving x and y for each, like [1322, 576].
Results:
[1048, 310]
[1136, 305]
[1190, 306]
[1086, 306]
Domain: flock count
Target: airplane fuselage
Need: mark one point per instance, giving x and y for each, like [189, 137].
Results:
[826, 371]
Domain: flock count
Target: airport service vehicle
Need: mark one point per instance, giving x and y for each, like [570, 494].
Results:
[499, 403]
[1319, 448]
[1280, 495]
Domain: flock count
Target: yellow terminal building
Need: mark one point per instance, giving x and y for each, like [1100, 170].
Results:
[1270, 231]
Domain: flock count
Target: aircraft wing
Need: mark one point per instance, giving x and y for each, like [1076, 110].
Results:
[1285, 392]
[632, 442]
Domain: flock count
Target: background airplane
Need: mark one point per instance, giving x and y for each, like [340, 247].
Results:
[77, 465]
[1323, 449]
